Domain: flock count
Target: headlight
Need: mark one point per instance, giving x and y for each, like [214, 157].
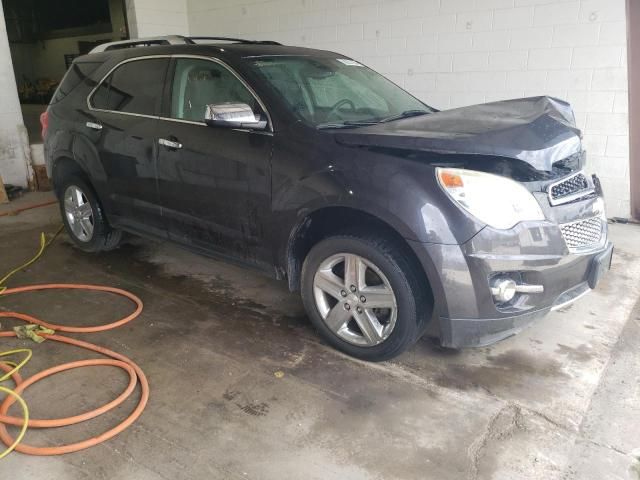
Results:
[494, 200]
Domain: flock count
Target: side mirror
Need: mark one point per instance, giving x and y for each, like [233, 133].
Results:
[233, 115]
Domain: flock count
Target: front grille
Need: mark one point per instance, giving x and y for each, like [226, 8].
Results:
[568, 188]
[583, 234]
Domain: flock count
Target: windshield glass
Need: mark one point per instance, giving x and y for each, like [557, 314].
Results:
[335, 93]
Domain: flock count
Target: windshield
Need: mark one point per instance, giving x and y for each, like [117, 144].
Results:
[336, 93]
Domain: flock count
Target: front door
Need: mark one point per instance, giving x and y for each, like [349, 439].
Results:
[124, 111]
[214, 183]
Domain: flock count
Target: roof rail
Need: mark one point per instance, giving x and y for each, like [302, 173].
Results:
[141, 42]
[235, 40]
[172, 40]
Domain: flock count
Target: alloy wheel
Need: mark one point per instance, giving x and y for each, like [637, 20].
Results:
[355, 299]
[79, 213]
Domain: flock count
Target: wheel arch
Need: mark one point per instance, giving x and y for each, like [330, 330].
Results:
[64, 165]
[332, 220]
[78, 154]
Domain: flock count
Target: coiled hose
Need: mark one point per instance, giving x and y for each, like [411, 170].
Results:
[11, 369]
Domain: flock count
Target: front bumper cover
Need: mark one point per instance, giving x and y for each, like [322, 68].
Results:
[460, 274]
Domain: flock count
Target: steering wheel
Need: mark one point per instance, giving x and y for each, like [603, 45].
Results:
[337, 105]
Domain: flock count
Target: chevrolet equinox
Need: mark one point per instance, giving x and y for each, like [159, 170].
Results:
[392, 219]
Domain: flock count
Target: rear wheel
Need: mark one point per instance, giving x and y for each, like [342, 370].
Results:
[363, 296]
[84, 218]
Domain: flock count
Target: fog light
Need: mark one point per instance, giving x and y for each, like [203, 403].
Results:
[503, 289]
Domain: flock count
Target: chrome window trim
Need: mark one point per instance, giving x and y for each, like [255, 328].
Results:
[111, 70]
[267, 55]
[270, 128]
[573, 196]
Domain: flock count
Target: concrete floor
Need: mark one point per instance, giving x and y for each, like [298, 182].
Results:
[558, 401]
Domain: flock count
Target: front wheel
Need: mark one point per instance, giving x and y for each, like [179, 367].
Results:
[363, 296]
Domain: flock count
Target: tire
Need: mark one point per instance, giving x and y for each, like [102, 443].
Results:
[390, 334]
[84, 218]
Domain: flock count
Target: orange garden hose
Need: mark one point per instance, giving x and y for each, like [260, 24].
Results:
[24, 209]
[72, 286]
[63, 422]
[74, 447]
[136, 375]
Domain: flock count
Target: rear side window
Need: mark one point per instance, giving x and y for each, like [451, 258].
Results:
[78, 73]
[134, 87]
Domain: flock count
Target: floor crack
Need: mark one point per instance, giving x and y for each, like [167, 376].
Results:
[494, 429]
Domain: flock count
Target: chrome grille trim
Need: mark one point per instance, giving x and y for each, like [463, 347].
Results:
[584, 235]
[570, 188]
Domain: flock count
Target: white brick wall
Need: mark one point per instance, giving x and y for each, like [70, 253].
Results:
[448, 52]
[453, 53]
[151, 18]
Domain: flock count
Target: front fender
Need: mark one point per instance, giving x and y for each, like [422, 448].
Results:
[401, 192]
[335, 189]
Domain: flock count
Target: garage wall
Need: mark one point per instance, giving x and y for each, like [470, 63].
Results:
[459, 52]
[13, 136]
[152, 18]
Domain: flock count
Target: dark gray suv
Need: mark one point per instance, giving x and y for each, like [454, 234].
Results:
[392, 218]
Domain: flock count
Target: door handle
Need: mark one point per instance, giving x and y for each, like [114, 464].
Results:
[170, 144]
[94, 125]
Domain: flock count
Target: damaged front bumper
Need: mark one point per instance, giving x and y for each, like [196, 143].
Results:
[544, 258]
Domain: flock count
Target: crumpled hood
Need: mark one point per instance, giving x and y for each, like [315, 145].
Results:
[537, 130]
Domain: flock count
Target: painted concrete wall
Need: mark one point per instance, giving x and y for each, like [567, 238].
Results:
[458, 52]
[152, 18]
[14, 148]
[448, 52]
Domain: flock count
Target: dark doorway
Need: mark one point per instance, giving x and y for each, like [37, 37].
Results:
[45, 37]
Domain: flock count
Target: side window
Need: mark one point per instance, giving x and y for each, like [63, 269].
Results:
[134, 87]
[198, 83]
[78, 73]
[100, 98]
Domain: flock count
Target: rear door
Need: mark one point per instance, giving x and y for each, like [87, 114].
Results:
[214, 183]
[124, 110]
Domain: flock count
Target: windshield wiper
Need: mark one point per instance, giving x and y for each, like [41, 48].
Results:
[364, 123]
[405, 114]
[347, 124]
